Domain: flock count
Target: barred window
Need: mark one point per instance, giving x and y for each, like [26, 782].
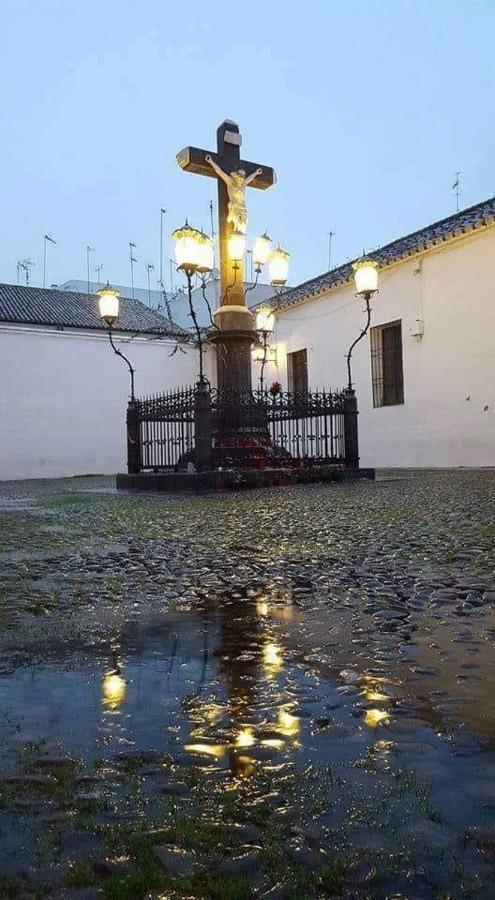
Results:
[386, 364]
[297, 371]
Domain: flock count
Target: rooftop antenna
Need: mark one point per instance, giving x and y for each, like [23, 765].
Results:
[162, 213]
[456, 187]
[98, 273]
[132, 260]
[25, 265]
[47, 239]
[149, 268]
[331, 234]
[88, 251]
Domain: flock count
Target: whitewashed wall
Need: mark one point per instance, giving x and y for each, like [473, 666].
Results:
[448, 415]
[64, 394]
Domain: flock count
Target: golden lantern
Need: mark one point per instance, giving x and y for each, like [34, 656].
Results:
[108, 302]
[265, 319]
[279, 266]
[113, 690]
[206, 254]
[188, 248]
[236, 246]
[262, 250]
[366, 277]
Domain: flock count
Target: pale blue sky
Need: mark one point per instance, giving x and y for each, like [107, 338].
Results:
[364, 107]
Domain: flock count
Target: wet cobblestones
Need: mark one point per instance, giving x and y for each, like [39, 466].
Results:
[285, 693]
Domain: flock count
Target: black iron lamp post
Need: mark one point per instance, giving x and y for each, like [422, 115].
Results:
[366, 281]
[194, 255]
[264, 326]
[109, 311]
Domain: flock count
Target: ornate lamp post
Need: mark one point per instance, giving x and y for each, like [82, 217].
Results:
[366, 281]
[194, 255]
[109, 311]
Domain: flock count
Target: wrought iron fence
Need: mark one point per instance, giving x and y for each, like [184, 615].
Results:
[241, 428]
[165, 429]
[289, 427]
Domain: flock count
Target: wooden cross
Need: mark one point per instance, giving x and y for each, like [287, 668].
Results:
[228, 157]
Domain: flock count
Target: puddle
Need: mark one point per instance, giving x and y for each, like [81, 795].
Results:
[232, 684]
[331, 697]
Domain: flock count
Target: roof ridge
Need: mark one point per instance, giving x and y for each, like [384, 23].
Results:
[440, 229]
[30, 305]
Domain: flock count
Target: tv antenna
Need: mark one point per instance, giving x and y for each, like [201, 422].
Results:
[456, 187]
[149, 268]
[26, 265]
[47, 239]
[132, 260]
[331, 234]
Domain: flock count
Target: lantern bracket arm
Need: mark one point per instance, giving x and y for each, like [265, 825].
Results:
[128, 363]
[367, 297]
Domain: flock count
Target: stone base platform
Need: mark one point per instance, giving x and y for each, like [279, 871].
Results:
[236, 479]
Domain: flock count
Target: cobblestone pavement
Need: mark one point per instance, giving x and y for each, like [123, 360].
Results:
[284, 693]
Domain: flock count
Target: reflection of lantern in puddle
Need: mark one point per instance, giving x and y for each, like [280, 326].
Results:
[374, 717]
[216, 750]
[113, 689]
[283, 613]
[371, 689]
[273, 661]
[262, 608]
[244, 738]
[375, 695]
[287, 723]
[242, 763]
[274, 743]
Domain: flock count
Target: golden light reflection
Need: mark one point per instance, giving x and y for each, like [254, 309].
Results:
[113, 690]
[287, 723]
[373, 688]
[283, 613]
[374, 717]
[216, 750]
[273, 661]
[262, 608]
[275, 743]
[245, 738]
[375, 695]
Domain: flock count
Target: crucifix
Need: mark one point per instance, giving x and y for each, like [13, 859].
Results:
[234, 332]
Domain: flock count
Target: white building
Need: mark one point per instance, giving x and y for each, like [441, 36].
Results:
[425, 375]
[64, 392]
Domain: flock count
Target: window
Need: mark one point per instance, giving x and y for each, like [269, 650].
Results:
[386, 364]
[297, 371]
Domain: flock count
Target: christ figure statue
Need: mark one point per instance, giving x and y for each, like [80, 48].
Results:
[236, 184]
